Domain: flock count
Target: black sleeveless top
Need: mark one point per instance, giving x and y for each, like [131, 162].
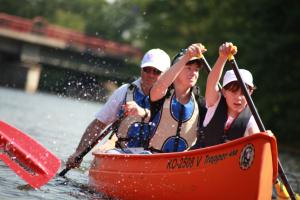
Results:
[214, 133]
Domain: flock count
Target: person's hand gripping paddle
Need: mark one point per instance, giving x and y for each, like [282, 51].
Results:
[258, 120]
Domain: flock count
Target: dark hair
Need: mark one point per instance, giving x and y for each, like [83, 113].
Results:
[235, 86]
[199, 62]
[177, 57]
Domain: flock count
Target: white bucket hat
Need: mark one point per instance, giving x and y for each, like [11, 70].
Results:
[156, 58]
[245, 74]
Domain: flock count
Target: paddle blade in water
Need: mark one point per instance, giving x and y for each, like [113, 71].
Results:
[26, 157]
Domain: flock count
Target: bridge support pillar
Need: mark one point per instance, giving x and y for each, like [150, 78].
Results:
[33, 78]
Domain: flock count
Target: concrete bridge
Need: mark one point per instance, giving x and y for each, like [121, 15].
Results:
[28, 45]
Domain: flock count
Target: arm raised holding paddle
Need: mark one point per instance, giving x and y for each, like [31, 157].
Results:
[287, 191]
[225, 106]
[175, 102]
[228, 116]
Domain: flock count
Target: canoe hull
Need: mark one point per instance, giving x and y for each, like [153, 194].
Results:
[241, 169]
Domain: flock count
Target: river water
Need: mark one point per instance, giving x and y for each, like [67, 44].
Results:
[58, 123]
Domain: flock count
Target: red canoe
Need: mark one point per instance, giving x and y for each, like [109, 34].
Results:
[242, 169]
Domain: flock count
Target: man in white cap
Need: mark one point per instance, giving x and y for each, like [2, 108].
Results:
[228, 117]
[131, 101]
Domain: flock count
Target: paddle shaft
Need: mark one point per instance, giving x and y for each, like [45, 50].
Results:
[206, 65]
[208, 69]
[259, 123]
[112, 128]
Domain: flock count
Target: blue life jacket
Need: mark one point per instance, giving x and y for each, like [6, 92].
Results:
[133, 131]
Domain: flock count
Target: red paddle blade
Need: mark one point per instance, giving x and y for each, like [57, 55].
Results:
[26, 157]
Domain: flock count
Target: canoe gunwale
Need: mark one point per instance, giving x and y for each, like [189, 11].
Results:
[262, 135]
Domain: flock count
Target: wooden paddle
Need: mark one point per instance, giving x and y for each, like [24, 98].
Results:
[110, 129]
[26, 157]
[258, 120]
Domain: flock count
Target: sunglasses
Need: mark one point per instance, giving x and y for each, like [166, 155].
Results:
[149, 70]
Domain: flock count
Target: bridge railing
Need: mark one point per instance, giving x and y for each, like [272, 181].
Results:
[74, 38]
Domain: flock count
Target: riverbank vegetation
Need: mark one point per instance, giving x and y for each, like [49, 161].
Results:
[265, 32]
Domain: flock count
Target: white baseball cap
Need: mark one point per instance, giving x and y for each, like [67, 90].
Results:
[156, 58]
[245, 74]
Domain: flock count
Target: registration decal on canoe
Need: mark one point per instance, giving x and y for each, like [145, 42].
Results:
[185, 162]
[247, 156]
[197, 161]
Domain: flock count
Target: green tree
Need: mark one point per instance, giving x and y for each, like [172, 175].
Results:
[265, 32]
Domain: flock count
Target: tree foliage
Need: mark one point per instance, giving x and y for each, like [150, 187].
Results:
[265, 32]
